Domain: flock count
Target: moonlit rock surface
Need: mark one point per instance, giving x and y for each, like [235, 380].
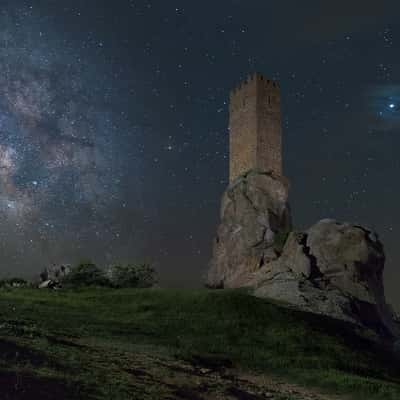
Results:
[335, 269]
[254, 210]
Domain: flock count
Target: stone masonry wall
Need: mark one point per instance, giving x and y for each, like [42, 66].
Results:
[255, 127]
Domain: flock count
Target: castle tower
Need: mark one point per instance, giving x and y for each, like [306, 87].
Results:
[255, 138]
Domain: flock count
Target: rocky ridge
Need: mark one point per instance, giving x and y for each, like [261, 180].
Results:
[333, 268]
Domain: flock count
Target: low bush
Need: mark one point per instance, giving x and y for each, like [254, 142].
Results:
[133, 276]
[13, 282]
[85, 274]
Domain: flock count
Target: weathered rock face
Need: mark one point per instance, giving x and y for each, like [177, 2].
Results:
[255, 215]
[333, 269]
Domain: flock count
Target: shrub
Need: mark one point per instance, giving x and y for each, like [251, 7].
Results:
[44, 275]
[13, 282]
[85, 274]
[280, 240]
[56, 272]
[138, 276]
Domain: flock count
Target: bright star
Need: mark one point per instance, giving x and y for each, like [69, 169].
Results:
[391, 105]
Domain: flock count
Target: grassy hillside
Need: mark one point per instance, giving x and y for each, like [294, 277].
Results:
[176, 344]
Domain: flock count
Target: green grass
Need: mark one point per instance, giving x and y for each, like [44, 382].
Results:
[89, 343]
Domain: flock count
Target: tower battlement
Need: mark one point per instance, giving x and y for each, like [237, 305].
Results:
[256, 76]
[255, 134]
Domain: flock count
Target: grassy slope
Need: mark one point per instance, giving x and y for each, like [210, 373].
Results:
[91, 341]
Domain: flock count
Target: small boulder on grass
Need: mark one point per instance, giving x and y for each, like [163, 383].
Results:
[49, 284]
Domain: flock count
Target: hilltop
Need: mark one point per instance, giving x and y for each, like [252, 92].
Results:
[181, 344]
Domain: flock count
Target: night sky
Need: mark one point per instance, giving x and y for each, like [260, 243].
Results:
[114, 116]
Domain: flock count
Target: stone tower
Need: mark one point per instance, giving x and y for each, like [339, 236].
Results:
[255, 138]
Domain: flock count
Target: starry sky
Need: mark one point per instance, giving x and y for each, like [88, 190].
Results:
[114, 116]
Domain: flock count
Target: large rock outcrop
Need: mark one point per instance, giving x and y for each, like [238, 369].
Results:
[255, 216]
[335, 269]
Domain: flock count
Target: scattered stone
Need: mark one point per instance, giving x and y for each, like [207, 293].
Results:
[268, 395]
[49, 284]
[205, 370]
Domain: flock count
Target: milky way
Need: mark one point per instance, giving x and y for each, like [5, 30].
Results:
[61, 166]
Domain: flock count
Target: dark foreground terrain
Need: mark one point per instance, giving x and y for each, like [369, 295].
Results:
[180, 344]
